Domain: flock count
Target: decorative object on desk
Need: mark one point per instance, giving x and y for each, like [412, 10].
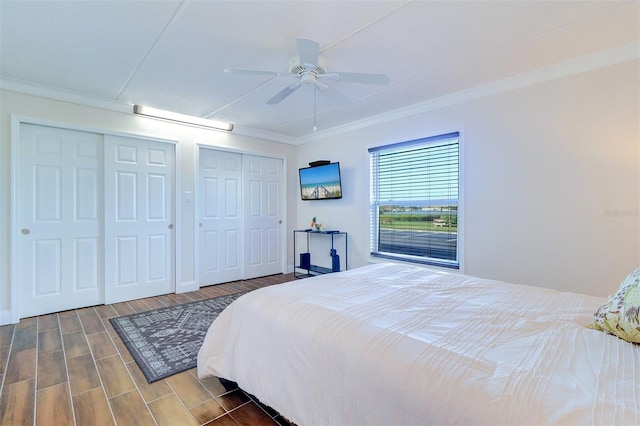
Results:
[335, 260]
[316, 224]
[305, 261]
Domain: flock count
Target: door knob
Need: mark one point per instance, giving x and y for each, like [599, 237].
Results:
[25, 231]
[171, 226]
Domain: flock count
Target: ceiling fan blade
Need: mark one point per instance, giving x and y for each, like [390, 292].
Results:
[279, 97]
[357, 77]
[333, 95]
[308, 51]
[252, 72]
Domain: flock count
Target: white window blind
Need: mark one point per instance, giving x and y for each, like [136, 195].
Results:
[414, 200]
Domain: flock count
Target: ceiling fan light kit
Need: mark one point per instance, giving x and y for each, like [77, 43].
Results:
[181, 118]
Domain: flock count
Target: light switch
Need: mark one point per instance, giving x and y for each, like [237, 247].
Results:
[187, 196]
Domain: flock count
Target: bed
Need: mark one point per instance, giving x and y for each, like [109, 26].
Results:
[393, 344]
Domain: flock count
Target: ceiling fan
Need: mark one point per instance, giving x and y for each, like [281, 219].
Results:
[308, 69]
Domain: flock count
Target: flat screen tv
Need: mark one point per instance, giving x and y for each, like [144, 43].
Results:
[321, 182]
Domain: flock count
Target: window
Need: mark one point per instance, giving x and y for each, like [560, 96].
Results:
[414, 200]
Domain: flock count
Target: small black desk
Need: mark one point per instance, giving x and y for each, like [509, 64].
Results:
[308, 263]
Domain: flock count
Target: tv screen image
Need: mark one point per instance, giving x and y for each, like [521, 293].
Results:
[321, 182]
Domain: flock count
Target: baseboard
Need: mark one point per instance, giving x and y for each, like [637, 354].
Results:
[5, 317]
[186, 287]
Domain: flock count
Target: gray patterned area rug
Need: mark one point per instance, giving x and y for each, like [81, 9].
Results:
[166, 341]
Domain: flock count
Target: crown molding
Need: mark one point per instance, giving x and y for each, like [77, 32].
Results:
[625, 53]
[621, 54]
[265, 135]
[57, 94]
[63, 95]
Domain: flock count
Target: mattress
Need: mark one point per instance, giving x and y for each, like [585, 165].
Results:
[394, 344]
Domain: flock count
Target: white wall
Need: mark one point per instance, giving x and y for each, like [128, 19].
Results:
[551, 180]
[111, 121]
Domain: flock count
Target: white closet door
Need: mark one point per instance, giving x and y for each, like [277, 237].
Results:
[139, 218]
[262, 216]
[220, 216]
[60, 204]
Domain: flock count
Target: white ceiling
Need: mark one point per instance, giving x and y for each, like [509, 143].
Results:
[172, 54]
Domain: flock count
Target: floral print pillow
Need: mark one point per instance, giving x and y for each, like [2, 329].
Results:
[620, 316]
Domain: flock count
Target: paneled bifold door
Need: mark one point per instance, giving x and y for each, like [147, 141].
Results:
[139, 218]
[60, 212]
[240, 216]
[95, 219]
[220, 216]
[262, 179]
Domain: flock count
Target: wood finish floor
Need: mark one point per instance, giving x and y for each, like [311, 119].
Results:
[71, 368]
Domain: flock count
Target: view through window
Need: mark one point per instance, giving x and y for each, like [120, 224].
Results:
[414, 200]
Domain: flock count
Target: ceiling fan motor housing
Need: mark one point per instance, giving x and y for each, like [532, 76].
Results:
[307, 73]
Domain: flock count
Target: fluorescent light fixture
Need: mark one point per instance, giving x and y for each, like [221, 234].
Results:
[181, 118]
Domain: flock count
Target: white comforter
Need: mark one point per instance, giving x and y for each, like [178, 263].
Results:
[390, 344]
